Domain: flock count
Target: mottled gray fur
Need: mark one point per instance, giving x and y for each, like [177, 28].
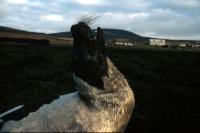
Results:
[89, 109]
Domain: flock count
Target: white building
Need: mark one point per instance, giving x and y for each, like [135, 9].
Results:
[124, 42]
[182, 45]
[157, 42]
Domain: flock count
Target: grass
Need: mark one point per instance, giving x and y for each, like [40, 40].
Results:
[165, 82]
[59, 41]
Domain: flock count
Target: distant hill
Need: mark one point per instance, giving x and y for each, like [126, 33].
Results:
[13, 30]
[9, 35]
[61, 34]
[110, 34]
[118, 33]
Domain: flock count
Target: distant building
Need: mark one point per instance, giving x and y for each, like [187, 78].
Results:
[124, 43]
[182, 45]
[195, 46]
[120, 42]
[157, 42]
[197, 42]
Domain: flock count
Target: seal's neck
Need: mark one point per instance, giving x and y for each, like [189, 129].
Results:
[116, 89]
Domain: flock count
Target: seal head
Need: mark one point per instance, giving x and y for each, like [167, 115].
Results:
[89, 56]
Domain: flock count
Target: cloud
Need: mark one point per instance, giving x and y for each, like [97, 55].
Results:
[35, 4]
[17, 1]
[3, 11]
[184, 6]
[156, 18]
[121, 20]
[90, 2]
[135, 15]
[169, 24]
[184, 3]
[52, 17]
[164, 23]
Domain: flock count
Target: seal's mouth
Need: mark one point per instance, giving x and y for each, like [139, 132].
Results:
[89, 56]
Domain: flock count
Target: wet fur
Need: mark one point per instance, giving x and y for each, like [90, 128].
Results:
[103, 102]
[90, 109]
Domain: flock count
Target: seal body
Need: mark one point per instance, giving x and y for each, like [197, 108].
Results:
[88, 110]
[103, 102]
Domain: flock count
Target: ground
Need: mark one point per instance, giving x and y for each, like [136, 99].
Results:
[165, 82]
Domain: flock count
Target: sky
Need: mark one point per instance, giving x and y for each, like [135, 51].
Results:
[172, 19]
